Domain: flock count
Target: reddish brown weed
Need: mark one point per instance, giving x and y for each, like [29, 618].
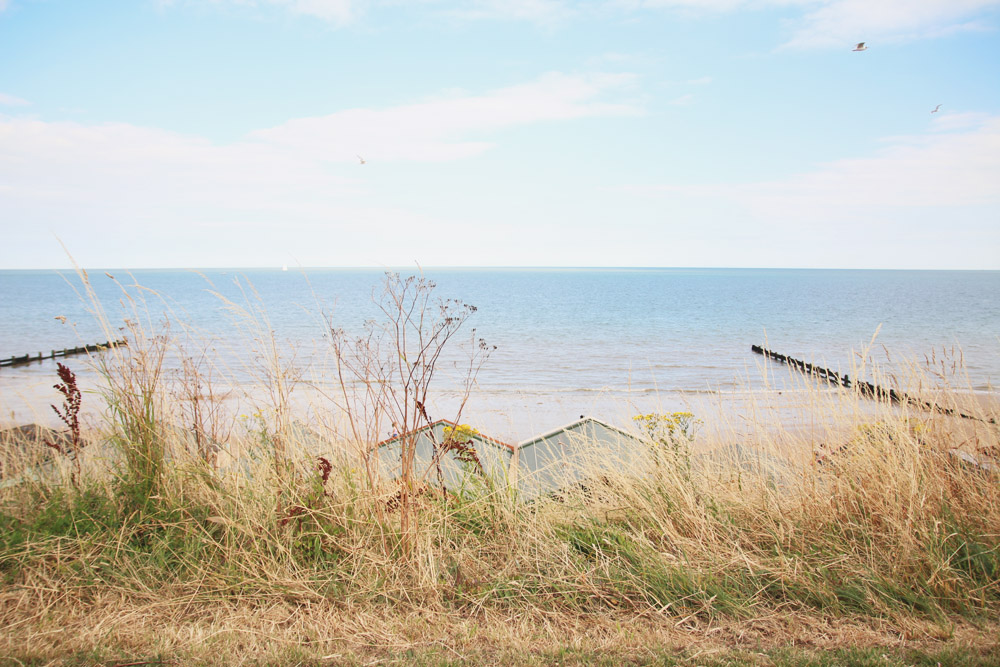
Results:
[70, 415]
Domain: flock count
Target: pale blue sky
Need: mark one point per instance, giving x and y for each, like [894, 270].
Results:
[210, 133]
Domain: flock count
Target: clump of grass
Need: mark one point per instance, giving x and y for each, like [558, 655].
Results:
[134, 398]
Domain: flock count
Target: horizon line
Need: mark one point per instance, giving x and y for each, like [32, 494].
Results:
[481, 267]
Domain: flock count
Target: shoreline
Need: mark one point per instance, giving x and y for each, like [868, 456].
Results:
[514, 418]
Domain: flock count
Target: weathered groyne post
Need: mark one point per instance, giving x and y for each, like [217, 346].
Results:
[65, 352]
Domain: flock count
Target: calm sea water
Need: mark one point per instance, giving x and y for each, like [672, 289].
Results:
[558, 332]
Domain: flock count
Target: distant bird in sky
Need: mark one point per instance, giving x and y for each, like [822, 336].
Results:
[361, 160]
[935, 109]
[860, 47]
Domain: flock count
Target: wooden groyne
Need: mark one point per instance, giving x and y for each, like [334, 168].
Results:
[805, 367]
[55, 354]
[864, 388]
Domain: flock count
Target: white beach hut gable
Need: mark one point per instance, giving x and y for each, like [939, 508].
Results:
[572, 453]
[494, 455]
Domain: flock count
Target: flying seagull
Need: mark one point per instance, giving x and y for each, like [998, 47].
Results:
[860, 47]
[361, 159]
[935, 109]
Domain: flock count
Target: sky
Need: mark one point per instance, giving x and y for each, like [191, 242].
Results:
[693, 133]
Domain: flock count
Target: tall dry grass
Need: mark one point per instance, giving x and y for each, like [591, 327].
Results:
[875, 512]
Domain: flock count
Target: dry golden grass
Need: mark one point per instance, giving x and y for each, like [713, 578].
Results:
[890, 542]
[839, 522]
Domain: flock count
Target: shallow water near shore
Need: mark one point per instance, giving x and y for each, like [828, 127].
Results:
[603, 342]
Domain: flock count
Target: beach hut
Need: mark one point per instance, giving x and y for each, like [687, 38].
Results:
[556, 460]
[571, 454]
[457, 469]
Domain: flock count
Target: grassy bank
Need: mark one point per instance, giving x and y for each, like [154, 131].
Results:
[865, 540]
[891, 540]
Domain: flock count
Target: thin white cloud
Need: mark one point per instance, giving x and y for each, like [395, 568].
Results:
[943, 169]
[698, 81]
[147, 187]
[919, 202]
[335, 11]
[612, 58]
[836, 23]
[536, 11]
[811, 23]
[955, 122]
[698, 5]
[682, 101]
[113, 167]
[440, 129]
[342, 12]
[10, 100]
[946, 169]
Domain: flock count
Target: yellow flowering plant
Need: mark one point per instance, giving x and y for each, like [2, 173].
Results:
[458, 439]
[673, 433]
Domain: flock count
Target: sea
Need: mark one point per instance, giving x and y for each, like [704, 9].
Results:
[568, 341]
